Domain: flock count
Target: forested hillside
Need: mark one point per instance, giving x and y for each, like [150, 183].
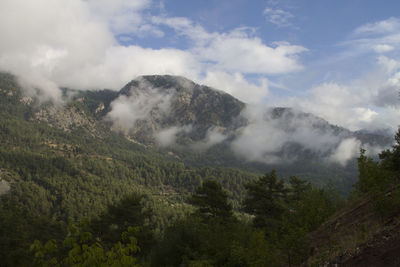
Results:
[59, 176]
[76, 192]
[202, 126]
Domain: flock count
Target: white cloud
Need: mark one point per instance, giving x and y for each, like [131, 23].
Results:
[381, 27]
[184, 26]
[123, 63]
[255, 57]
[259, 142]
[167, 137]
[339, 104]
[389, 65]
[69, 43]
[279, 17]
[347, 149]
[41, 39]
[383, 48]
[213, 136]
[127, 110]
[221, 50]
[74, 44]
[380, 37]
[267, 135]
[123, 16]
[236, 85]
[370, 101]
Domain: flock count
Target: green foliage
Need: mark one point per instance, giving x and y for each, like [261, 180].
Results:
[212, 237]
[380, 179]
[266, 200]
[374, 176]
[211, 200]
[58, 177]
[293, 242]
[194, 242]
[18, 228]
[287, 212]
[135, 197]
[81, 249]
[391, 158]
[118, 218]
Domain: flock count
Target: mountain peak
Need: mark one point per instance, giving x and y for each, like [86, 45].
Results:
[159, 82]
[175, 101]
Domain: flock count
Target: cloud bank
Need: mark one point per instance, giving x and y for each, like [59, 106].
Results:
[93, 44]
[87, 45]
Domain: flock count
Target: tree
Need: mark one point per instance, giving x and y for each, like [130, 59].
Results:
[391, 158]
[128, 212]
[83, 250]
[266, 199]
[211, 200]
[298, 188]
[211, 236]
[293, 242]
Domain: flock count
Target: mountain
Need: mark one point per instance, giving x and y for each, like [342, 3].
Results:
[203, 126]
[168, 101]
[161, 136]
[151, 105]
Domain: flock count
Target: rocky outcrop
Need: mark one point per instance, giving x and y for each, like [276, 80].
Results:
[66, 117]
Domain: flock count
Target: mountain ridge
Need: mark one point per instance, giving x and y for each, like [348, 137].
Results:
[202, 126]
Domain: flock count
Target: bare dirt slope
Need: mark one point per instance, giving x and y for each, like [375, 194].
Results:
[357, 236]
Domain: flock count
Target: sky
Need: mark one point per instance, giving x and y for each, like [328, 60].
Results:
[336, 59]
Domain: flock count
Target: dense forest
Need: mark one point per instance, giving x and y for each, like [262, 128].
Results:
[74, 199]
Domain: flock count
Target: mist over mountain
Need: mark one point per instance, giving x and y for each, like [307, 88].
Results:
[199, 133]
[165, 136]
[203, 126]
[170, 111]
[158, 109]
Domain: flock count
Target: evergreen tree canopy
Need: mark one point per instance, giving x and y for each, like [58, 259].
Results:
[211, 200]
[266, 199]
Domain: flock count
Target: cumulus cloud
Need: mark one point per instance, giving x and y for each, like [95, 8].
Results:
[339, 104]
[388, 96]
[123, 16]
[41, 39]
[222, 49]
[370, 101]
[77, 44]
[122, 63]
[69, 43]
[236, 85]
[255, 57]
